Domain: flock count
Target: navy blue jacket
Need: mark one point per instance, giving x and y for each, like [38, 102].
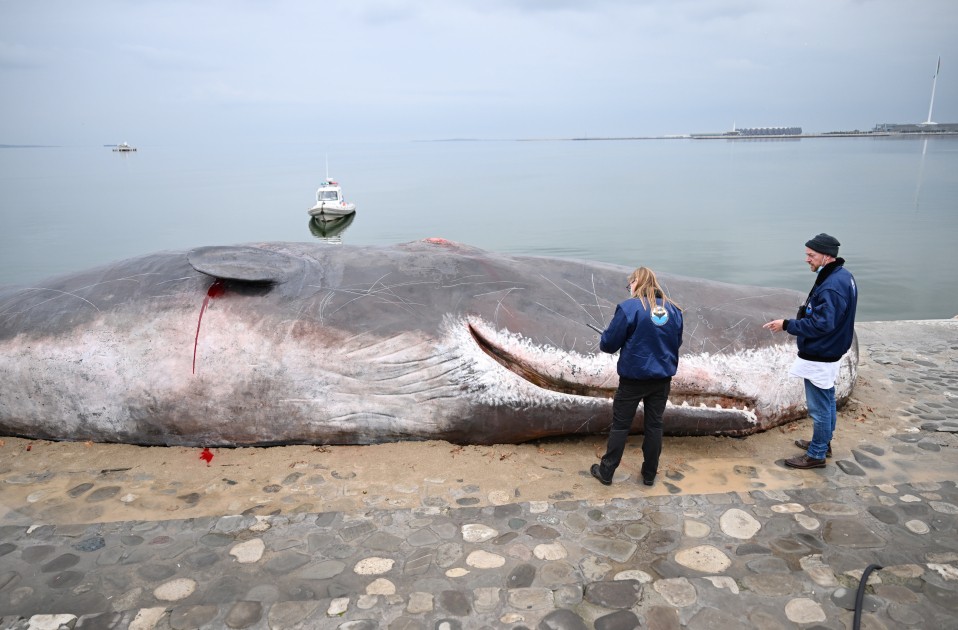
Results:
[648, 350]
[826, 323]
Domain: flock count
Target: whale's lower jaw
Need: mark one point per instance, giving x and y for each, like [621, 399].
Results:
[683, 420]
[593, 416]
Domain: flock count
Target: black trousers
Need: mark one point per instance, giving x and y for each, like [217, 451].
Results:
[653, 394]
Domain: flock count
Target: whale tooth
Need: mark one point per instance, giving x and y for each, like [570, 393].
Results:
[703, 405]
[685, 403]
[718, 406]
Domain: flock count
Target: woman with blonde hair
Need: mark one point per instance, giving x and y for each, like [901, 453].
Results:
[646, 330]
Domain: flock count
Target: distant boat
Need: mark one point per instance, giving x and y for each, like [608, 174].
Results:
[329, 202]
[123, 147]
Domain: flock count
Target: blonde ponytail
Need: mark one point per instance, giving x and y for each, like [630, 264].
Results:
[647, 288]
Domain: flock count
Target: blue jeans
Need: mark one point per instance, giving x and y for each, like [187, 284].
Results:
[821, 408]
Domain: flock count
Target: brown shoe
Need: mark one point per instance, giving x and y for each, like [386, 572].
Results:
[804, 462]
[803, 444]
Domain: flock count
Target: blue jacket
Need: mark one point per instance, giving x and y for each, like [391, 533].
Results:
[826, 323]
[650, 350]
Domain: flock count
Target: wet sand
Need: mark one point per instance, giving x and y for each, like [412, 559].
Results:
[69, 482]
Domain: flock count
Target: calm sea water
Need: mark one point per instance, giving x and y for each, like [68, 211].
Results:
[734, 211]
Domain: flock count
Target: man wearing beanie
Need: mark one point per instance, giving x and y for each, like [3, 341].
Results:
[825, 328]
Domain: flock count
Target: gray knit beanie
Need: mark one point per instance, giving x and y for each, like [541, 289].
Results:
[824, 244]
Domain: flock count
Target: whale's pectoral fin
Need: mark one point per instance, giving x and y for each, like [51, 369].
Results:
[245, 264]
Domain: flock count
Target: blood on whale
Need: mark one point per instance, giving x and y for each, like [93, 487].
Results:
[216, 290]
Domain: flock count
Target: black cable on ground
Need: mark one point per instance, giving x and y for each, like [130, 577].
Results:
[860, 596]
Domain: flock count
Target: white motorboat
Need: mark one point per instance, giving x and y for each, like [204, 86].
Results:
[123, 147]
[330, 204]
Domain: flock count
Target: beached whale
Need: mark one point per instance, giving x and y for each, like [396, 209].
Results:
[291, 343]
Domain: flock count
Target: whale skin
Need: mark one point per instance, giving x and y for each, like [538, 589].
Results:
[307, 343]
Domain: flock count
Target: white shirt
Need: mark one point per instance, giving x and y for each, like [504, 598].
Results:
[822, 375]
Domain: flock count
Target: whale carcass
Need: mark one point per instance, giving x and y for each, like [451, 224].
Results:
[302, 343]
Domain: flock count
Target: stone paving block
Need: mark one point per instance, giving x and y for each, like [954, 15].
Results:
[530, 598]
[617, 594]
[562, 620]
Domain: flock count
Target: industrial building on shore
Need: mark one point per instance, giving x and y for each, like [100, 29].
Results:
[927, 127]
[924, 128]
[753, 132]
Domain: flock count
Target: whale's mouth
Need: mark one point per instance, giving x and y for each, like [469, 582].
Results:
[557, 381]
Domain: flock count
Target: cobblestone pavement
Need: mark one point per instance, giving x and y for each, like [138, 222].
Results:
[762, 559]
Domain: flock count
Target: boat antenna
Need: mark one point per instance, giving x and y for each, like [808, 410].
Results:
[933, 84]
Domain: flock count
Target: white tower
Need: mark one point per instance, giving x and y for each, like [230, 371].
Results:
[933, 84]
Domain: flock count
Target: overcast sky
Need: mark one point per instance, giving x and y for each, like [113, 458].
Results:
[164, 71]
